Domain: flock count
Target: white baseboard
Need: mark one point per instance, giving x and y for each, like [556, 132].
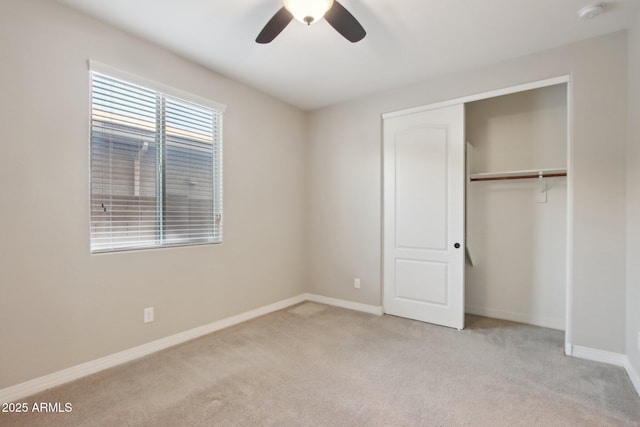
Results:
[633, 375]
[37, 385]
[371, 309]
[595, 355]
[57, 378]
[610, 358]
[568, 349]
[545, 322]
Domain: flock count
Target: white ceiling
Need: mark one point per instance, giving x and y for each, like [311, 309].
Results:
[407, 41]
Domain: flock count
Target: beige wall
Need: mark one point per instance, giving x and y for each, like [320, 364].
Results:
[518, 246]
[633, 200]
[344, 180]
[60, 306]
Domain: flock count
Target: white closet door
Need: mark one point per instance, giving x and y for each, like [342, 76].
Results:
[424, 176]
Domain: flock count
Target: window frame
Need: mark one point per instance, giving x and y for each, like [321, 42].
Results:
[165, 91]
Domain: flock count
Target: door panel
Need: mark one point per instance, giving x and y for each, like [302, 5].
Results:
[411, 277]
[424, 216]
[421, 210]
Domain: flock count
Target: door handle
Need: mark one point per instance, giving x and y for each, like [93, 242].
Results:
[456, 245]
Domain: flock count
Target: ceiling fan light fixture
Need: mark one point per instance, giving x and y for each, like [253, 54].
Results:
[591, 11]
[308, 11]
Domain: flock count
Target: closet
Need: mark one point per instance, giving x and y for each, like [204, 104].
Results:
[516, 206]
[475, 208]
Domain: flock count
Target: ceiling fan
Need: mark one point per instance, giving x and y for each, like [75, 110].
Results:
[309, 12]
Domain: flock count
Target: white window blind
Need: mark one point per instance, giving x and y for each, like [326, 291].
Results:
[156, 168]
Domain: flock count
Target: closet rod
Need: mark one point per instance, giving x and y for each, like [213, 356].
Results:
[500, 178]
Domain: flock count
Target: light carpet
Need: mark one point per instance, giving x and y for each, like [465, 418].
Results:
[314, 365]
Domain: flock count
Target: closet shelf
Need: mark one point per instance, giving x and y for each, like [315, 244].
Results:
[525, 174]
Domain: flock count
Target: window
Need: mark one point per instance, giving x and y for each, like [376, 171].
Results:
[156, 168]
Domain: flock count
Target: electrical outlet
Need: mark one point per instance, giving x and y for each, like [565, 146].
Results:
[148, 315]
[356, 283]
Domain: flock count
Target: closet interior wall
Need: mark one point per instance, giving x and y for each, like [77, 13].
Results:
[516, 269]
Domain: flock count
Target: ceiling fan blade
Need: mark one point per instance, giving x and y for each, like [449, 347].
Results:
[276, 24]
[344, 23]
